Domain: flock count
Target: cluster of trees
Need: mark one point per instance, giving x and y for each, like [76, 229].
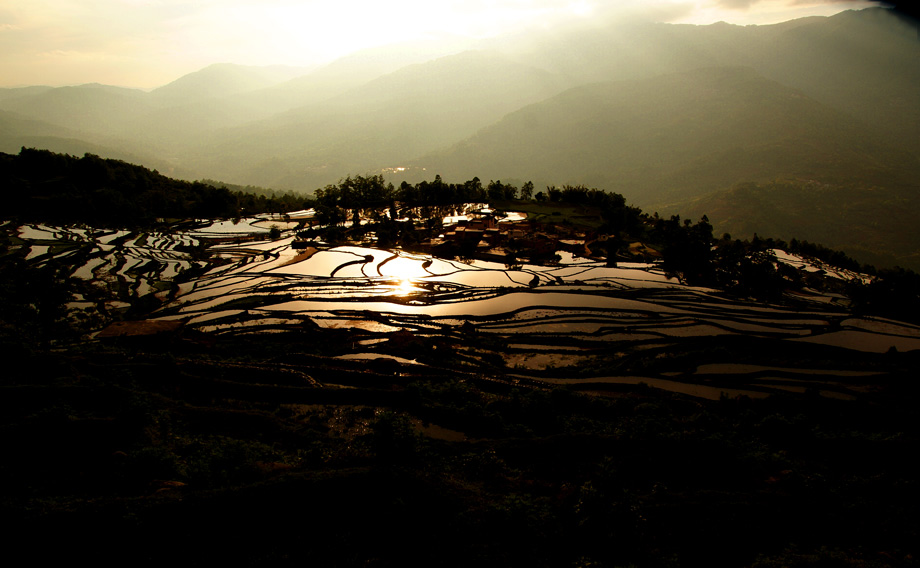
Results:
[256, 199]
[43, 185]
[744, 268]
[686, 247]
[421, 206]
[427, 202]
[749, 268]
[372, 197]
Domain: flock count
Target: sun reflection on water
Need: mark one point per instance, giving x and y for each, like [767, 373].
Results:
[405, 287]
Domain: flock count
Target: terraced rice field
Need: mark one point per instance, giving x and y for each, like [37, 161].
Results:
[575, 322]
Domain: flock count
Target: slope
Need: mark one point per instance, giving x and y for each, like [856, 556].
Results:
[385, 122]
[860, 62]
[92, 107]
[673, 137]
[872, 224]
[223, 80]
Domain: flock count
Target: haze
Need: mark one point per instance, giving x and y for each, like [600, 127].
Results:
[148, 43]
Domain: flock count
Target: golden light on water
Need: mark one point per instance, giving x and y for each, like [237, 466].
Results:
[405, 273]
[405, 287]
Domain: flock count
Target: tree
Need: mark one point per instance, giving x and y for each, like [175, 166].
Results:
[687, 248]
[497, 191]
[328, 211]
[473, 191]
[527, 191]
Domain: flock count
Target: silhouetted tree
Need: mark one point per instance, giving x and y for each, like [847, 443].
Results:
[527, 191]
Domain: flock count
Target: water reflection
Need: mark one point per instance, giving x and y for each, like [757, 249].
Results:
[405, 287]
[632, 302]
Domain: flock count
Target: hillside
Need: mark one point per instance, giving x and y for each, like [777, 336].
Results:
[388, 121]
[42, 185]
[223, 80]
[849, 217]
[92, 108]
[242, 391]
[858, 62]
[674, 136]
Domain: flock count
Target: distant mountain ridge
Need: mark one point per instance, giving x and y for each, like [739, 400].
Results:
[672, 137]
[389, 120]
[861, 63]
[223, 80]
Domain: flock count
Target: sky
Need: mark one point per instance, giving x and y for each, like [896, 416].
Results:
[148, 43]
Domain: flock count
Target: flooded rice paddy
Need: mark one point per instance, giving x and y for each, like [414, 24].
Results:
[575, 322]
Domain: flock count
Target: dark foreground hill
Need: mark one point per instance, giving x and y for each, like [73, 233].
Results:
[43, 185]
[210, 424]
[166, 444]
[141, 456]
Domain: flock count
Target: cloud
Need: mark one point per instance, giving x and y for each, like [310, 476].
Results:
[737, 4]
[656, 12]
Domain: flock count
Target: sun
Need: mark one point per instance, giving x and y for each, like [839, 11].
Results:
[580, 8]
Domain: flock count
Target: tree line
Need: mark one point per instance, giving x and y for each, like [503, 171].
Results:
[43, 185]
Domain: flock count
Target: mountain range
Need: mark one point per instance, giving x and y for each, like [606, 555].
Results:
[807, 129]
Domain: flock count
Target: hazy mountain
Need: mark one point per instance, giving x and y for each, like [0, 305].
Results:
[218, 96]
[387, 121]
[381, 105]
[223, 80]
[353, 70]
[180, 115]
[19, 92]
[17, 131]
[347, 133]
[863, 62]
[671, 137]
[91, 107]
[224, 96]
[14, 126]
